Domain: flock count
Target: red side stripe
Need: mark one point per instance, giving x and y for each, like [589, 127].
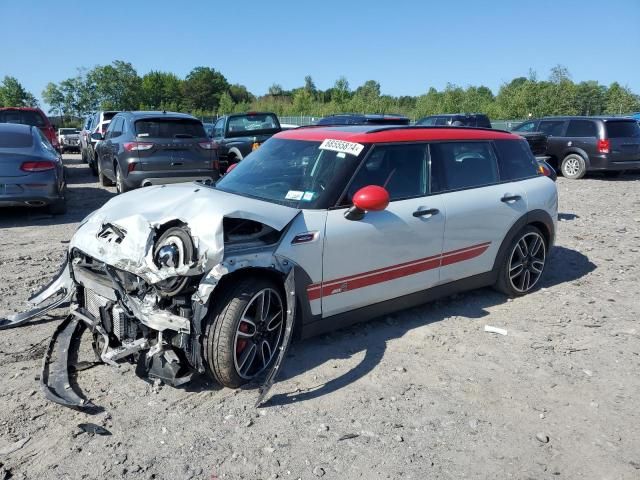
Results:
[372, 277]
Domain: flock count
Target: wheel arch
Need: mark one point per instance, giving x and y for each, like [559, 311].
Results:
[575, 151]
[537, 218]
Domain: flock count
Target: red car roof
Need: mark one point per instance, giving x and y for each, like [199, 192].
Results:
[377, 134]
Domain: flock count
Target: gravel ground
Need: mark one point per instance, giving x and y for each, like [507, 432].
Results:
[422, 394]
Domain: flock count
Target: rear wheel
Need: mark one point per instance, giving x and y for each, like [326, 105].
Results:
[573, 167]
[102, 178]
[524, 263]
[244, 333]
[121, 187]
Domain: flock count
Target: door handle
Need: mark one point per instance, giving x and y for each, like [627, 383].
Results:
[176, 164]
[510, 198]
[428, 211]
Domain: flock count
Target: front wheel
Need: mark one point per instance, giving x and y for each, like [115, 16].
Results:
[573, 167]
[245, 331]
[524, 263]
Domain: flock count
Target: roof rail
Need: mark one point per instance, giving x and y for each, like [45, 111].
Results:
[433, 127]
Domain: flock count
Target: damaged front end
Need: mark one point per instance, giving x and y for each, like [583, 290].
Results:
[142, 286]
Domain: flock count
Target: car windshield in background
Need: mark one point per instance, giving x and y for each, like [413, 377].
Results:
[252, 124]
[68, 131]
[24, 117]
[170, 128]
[15, 140]
[108, 115]
[623, 129]
[295, 173]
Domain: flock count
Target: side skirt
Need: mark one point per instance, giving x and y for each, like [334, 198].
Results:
[380, 309]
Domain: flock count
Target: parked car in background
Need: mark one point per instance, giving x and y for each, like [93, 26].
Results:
[99, 124]
[30, 116]
[456, 120]
[208, 127]
[31, 170]
[85, 138]
[576, 145]
[363, 119]
[154, 148]
[236, 136]
[69, 139]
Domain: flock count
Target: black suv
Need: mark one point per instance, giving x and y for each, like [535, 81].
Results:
[236, 136]
[363, 119]
[154, 148]
[576, 145]
[457, 120]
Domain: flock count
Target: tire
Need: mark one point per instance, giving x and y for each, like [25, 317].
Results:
[530, 251]
[573, 167]
[83, 154]
[236, 332]
[102, 178]
[121, 187]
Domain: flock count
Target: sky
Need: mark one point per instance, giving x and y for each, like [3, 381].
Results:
[407, 46]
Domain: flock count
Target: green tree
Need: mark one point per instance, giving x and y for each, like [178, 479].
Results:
[13, 94]
[159, 89]
[203, 87]
[117, 86]
[620, 100]
[275, 90]
[226, 104]
[240, 94]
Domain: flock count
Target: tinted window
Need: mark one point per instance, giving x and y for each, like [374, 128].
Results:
[621, 129]
[108, 116]
[462, 165]
[442, 121]
[483, 121]
[115, 127]
[526, 127]
[44, 141]
[15, 140]
[170, 128]
[515, 159]
[218, 130]
[553, 128]
[26, 117]
[426, 121]
[401, 169]
[582, 128]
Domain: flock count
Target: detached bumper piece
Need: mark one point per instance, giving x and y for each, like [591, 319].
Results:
[55, 380]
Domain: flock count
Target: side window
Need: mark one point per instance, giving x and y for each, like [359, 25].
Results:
[427, 121]
[442, 121]
[581, 128]
[401, 169]
[515, 159]
[553, 128]
[218, 129]
[117, 128]
[458, 165]
[111, 130]
[526, 127]
[44, 141]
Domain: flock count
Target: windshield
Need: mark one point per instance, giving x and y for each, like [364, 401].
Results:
[296, 173]
[252, 124]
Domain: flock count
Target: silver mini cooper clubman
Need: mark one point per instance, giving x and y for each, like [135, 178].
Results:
[317, 229]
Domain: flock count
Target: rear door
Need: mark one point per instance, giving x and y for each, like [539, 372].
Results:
[390, 253]
[480, 209]
[624, 140]
[582, 134]
[172, 144]
[556, 144]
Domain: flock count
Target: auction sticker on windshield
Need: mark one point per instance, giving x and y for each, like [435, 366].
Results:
[341, 146]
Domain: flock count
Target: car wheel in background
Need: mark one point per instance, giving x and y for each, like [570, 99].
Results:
[573, 166]
[244, 332]
[121, 187]
[524, 263]
[102, 178]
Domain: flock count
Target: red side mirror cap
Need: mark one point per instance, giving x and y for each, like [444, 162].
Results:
[371, 198]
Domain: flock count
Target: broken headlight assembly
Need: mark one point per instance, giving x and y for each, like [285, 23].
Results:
[174, 249]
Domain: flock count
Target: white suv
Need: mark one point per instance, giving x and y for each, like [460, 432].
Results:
[319, 228]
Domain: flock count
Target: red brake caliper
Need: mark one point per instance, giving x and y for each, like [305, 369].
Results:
[242, 343]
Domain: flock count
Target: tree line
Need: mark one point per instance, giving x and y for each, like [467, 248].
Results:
[207, 92]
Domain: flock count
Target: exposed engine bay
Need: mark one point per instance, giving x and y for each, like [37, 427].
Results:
[144, 291]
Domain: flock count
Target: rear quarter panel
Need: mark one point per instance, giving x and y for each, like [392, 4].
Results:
[542, 194]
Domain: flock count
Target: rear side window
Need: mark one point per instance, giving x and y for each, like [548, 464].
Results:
[483, 121]
[25, 117]
[442, 121]
[619, 129]
[526, 127]
[15, 140]
[400, 169]
[458, 165]
[515, 159]
[553, 128]
[427, 121]
[170, 128]
[582, 128]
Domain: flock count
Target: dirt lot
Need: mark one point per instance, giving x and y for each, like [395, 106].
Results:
[422, 394]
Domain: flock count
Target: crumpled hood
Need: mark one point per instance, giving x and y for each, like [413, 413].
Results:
[137, 214]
